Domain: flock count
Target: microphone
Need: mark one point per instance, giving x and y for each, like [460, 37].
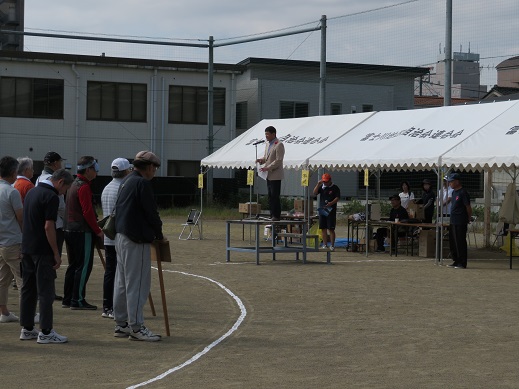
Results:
[258, 142]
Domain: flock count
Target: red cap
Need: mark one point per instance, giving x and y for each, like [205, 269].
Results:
[326, 177]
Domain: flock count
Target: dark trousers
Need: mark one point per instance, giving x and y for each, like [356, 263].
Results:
[382, 233]
[274, 192]
[458, 243]
[109, 278]
[60, 238]
[80, 247]
[38, 284]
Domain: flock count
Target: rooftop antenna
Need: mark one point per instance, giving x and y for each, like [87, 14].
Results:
[440, 47]
[469, 47]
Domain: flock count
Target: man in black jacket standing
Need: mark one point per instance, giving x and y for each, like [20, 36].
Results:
[461, 211]
[137, 225]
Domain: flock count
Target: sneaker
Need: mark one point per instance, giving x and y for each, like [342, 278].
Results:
[323, 247]
[9, 318]
[65, 305]
[332, 248]
[58, 298]
[28, 335]
[122, 331]
[52, 337]
[36, 318]
[84, 306]
[460, 267]
[453, 264]
[108, 313]
[144, 334]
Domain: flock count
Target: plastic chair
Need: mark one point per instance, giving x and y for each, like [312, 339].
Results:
[472, 229]
[193, 223]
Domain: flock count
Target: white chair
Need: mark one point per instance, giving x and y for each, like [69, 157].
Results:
[193, 223]
[472, 230]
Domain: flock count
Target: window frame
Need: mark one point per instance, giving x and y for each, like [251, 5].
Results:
[37, 101]
[193, 110]
[111, 99]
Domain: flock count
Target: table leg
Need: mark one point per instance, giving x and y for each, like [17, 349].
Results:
[257, 244]
[511, 240]
[228, 241]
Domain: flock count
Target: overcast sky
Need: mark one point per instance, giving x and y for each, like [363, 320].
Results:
[369, 31]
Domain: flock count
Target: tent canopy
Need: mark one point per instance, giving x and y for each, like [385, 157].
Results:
[466, 136]
[303, 137]
[413, 139]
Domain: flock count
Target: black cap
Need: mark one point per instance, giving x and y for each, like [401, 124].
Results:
[51, 157]
[453, 176]
[395, 196]
[426, 181]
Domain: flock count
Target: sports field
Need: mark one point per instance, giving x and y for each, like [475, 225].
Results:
[362, 322]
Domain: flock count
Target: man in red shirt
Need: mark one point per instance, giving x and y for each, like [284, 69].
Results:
[81, 232]
[23, 182]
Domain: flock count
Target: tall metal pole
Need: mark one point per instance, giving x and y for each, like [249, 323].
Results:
[448, 55]
[210, 135]
[322, 78]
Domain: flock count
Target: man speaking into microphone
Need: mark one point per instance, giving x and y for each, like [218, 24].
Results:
[272, 162]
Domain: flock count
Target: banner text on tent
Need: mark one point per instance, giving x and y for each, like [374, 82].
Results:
[413, 132]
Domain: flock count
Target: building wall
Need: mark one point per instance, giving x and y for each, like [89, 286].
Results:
[107, 140]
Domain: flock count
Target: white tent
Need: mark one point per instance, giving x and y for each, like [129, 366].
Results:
[415, 139]
[303, 137]
[495, 145]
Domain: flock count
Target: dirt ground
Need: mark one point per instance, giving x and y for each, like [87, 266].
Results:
[361, 322]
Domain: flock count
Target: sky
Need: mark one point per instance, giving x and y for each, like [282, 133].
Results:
[389, 32]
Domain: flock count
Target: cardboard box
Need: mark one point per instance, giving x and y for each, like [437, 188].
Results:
[300, 206]
[427, 243]
[416, 210]
[160, 251]
[375, 212]
[252, 208]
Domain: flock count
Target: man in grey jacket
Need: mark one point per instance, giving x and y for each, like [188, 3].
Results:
[272, 163]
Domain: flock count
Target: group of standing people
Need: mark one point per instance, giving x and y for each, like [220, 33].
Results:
[36, 220]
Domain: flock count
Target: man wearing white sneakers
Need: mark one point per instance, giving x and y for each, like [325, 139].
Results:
[41, 257]
[138, 224]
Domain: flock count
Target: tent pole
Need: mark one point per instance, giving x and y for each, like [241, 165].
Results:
[487, 197]
[366, 237]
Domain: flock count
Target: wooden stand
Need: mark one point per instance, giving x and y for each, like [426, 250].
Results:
[160, 252]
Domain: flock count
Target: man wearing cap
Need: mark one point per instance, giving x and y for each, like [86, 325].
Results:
[121, 167]
[51, 163]
[272, 162]
[428, 198]
[461, 212]
[138, 224]
[329, 197]
[397, 212]
[81, 231]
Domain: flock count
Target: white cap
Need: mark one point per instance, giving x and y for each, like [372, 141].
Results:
[121, 164]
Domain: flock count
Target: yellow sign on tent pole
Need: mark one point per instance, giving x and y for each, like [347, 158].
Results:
[305, 175]
[250, 177]
[366, 177]
[200, 181]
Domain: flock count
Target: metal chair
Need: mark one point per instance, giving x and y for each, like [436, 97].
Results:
[193, 223]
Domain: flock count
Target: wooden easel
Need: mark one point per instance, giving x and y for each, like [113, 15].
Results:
[100, 246]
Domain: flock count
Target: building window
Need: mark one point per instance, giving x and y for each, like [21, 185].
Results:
[188, 105]
[336, 108]
[31, 97]
[114, 101]
[367, 108]
[292, 109]
[241, 115]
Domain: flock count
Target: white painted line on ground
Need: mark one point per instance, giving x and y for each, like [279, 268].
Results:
[235, 326]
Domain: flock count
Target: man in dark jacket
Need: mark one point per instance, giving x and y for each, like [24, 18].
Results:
[137, 224]
[461, 211]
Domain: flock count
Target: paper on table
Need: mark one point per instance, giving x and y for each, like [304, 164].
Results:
[260, 173]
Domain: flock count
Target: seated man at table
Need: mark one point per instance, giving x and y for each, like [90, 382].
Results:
[397, 212]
